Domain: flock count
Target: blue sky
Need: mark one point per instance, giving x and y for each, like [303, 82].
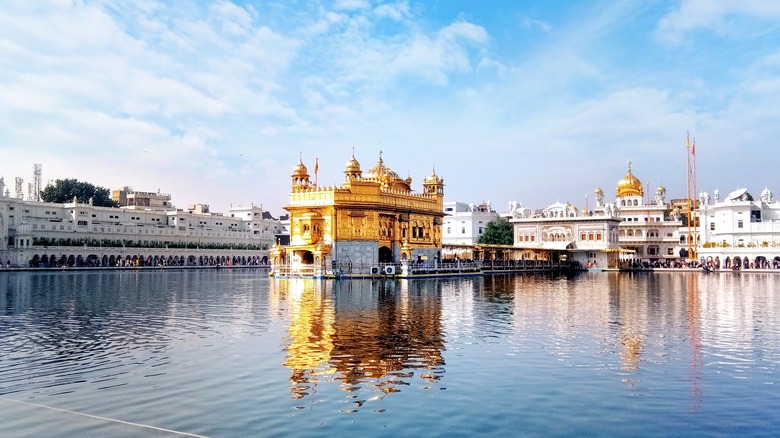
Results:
[534, 101]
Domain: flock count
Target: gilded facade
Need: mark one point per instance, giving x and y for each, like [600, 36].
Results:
[370, 220]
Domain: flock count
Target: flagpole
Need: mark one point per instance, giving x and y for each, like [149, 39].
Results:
[688, 180]
[696, 195]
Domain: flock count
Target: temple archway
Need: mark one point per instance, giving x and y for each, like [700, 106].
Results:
[385, 255]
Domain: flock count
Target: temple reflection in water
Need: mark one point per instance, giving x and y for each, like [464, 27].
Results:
[384, 334]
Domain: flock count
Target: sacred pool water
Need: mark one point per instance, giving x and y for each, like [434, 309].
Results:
[233, 353]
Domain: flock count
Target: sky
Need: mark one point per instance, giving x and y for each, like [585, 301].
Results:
[214, 102]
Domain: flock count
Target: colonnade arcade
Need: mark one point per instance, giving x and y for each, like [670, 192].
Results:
[452, 252]
[46, 259]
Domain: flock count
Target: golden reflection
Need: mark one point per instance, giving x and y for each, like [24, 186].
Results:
[694, 336]
[376, 336]
[311, 334]
[633, 322]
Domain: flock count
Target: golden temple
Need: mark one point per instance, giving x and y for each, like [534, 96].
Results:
[371, 221]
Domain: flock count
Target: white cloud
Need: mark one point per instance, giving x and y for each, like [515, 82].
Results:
[723, 17]
[531, 23]
[232, 20]
[394, 11]
[351, 5]
[213, 102]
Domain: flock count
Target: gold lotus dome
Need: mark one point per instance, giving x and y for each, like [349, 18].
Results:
[382, 174]
[629, 185]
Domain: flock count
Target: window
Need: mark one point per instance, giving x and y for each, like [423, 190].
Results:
[739, 223]
[712, 226]
[463, 230]
[480, 230]
[449, 230]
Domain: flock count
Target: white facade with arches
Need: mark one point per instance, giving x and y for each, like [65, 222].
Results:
[591, 241]
[30, 228]
[740, 230]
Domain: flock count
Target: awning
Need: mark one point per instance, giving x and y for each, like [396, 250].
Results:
[559, 246]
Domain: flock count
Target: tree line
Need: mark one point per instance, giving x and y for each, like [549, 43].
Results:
[64, 190]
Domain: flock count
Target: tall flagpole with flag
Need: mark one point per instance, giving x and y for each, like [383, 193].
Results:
[688, 180]
[316, 169]
[695, 200]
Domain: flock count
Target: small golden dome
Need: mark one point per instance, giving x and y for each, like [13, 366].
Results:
[599, 191]
[629, 185]
[300, 170]
[352, 166]
[433, 179]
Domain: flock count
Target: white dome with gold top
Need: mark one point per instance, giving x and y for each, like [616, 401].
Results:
[629, 185]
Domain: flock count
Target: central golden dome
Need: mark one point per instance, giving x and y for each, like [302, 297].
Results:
[629, 185]
[382, 174]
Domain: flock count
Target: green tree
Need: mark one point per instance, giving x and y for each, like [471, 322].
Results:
[498, 232]
[64, 190]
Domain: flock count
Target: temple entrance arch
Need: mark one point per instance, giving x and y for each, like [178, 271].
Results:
[385, 255]
[303, 257]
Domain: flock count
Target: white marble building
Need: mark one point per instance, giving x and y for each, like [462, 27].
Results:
[465, 223]
[30, 228]
[739, 229]
[651, 230]
[590, 240]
